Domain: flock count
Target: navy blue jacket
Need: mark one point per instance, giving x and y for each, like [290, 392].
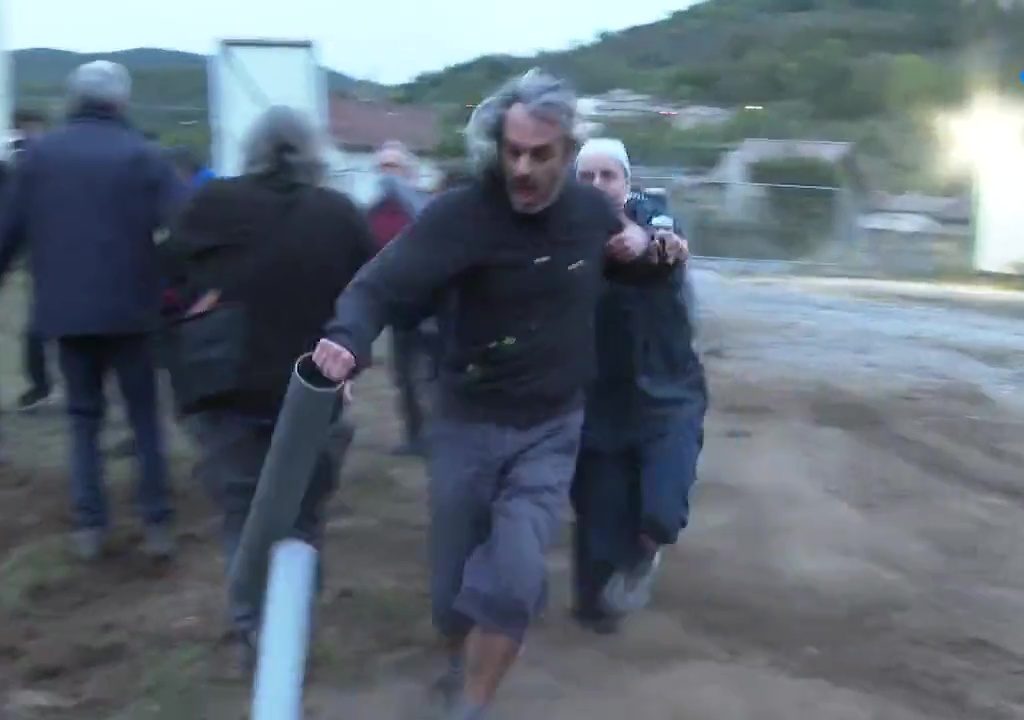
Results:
[87, 200]
[647, 370]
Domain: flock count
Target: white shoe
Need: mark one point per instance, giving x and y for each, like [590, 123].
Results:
[630, 590]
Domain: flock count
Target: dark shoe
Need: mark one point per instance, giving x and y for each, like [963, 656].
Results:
[88, 544]
[597, 622]
[246, 655]
[33, 398]
[159, 542]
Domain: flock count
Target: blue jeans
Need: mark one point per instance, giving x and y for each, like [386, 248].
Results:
[85, 362]
[621, 494]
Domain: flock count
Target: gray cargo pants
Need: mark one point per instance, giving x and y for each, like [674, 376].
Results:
[497, 498]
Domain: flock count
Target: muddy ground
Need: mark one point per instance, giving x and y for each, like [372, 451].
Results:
[855, 552]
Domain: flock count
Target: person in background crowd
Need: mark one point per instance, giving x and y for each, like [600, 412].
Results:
[30, 126]
[87, 200]
[644, 423]
[191, 171]
[518, 256]
[413, 340]
[276, 243]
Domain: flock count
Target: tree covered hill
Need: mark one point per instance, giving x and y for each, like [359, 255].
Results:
[871, 71]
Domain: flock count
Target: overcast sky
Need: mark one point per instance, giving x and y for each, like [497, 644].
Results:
[383, 40]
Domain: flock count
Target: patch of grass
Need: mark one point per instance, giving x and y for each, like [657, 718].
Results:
[31, 567]
[391, 616]
[171, 688]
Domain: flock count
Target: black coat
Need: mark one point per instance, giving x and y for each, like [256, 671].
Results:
[284, 252]
[648, 372]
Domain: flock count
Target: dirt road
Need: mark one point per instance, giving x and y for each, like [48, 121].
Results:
[855, 552]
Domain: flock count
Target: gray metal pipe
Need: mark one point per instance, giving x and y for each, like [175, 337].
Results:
[300, 433]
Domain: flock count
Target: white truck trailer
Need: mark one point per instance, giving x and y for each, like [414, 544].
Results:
[6, 86]
[247, 77]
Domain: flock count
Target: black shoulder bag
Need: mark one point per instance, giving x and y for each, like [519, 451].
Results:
[208, 350]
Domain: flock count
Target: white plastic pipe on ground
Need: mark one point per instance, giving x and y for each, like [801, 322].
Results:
[284, 635]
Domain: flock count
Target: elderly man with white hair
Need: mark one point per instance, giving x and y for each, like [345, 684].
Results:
[518, 257]
[87, 200]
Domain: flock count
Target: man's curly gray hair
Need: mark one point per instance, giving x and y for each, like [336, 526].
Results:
[542, 94]
[284, 141]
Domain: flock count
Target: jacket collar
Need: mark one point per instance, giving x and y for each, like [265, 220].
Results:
[97, 111]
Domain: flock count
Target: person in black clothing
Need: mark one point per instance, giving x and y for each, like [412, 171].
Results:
[644, 423]
[277, 244]
[515, 261]
[32, 125]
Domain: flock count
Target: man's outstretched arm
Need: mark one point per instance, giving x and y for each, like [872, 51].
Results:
[403, 277]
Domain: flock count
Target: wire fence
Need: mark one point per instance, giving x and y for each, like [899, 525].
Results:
[758, 220]
[813, 225]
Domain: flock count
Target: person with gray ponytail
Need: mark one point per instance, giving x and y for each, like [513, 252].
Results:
[518, 256]
[262, 257]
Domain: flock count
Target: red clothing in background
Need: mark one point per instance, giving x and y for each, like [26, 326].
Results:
[387, 219]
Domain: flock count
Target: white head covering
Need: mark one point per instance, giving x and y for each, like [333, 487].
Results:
[608, 147]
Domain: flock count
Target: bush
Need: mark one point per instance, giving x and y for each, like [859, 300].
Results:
[800, 218]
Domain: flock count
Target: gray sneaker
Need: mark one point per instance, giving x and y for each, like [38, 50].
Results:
[87, 544]
[467, 711]
[443, 696]
[159, 542]
[630, 590]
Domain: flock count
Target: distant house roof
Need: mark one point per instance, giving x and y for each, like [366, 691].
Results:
[946, 209]
[899, 222]
[754, 150]
[734, 165]
[366, 124]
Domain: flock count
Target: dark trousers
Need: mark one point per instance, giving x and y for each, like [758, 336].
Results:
[85, 362]
[35, 362]
[232, 450]
[497, 497]
[619, 495]
[411, 349]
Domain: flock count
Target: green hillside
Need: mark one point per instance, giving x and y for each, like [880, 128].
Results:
[169, 87]
[870, 71]
[742, 51]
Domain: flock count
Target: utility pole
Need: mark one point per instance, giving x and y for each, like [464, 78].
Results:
[6, 85]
